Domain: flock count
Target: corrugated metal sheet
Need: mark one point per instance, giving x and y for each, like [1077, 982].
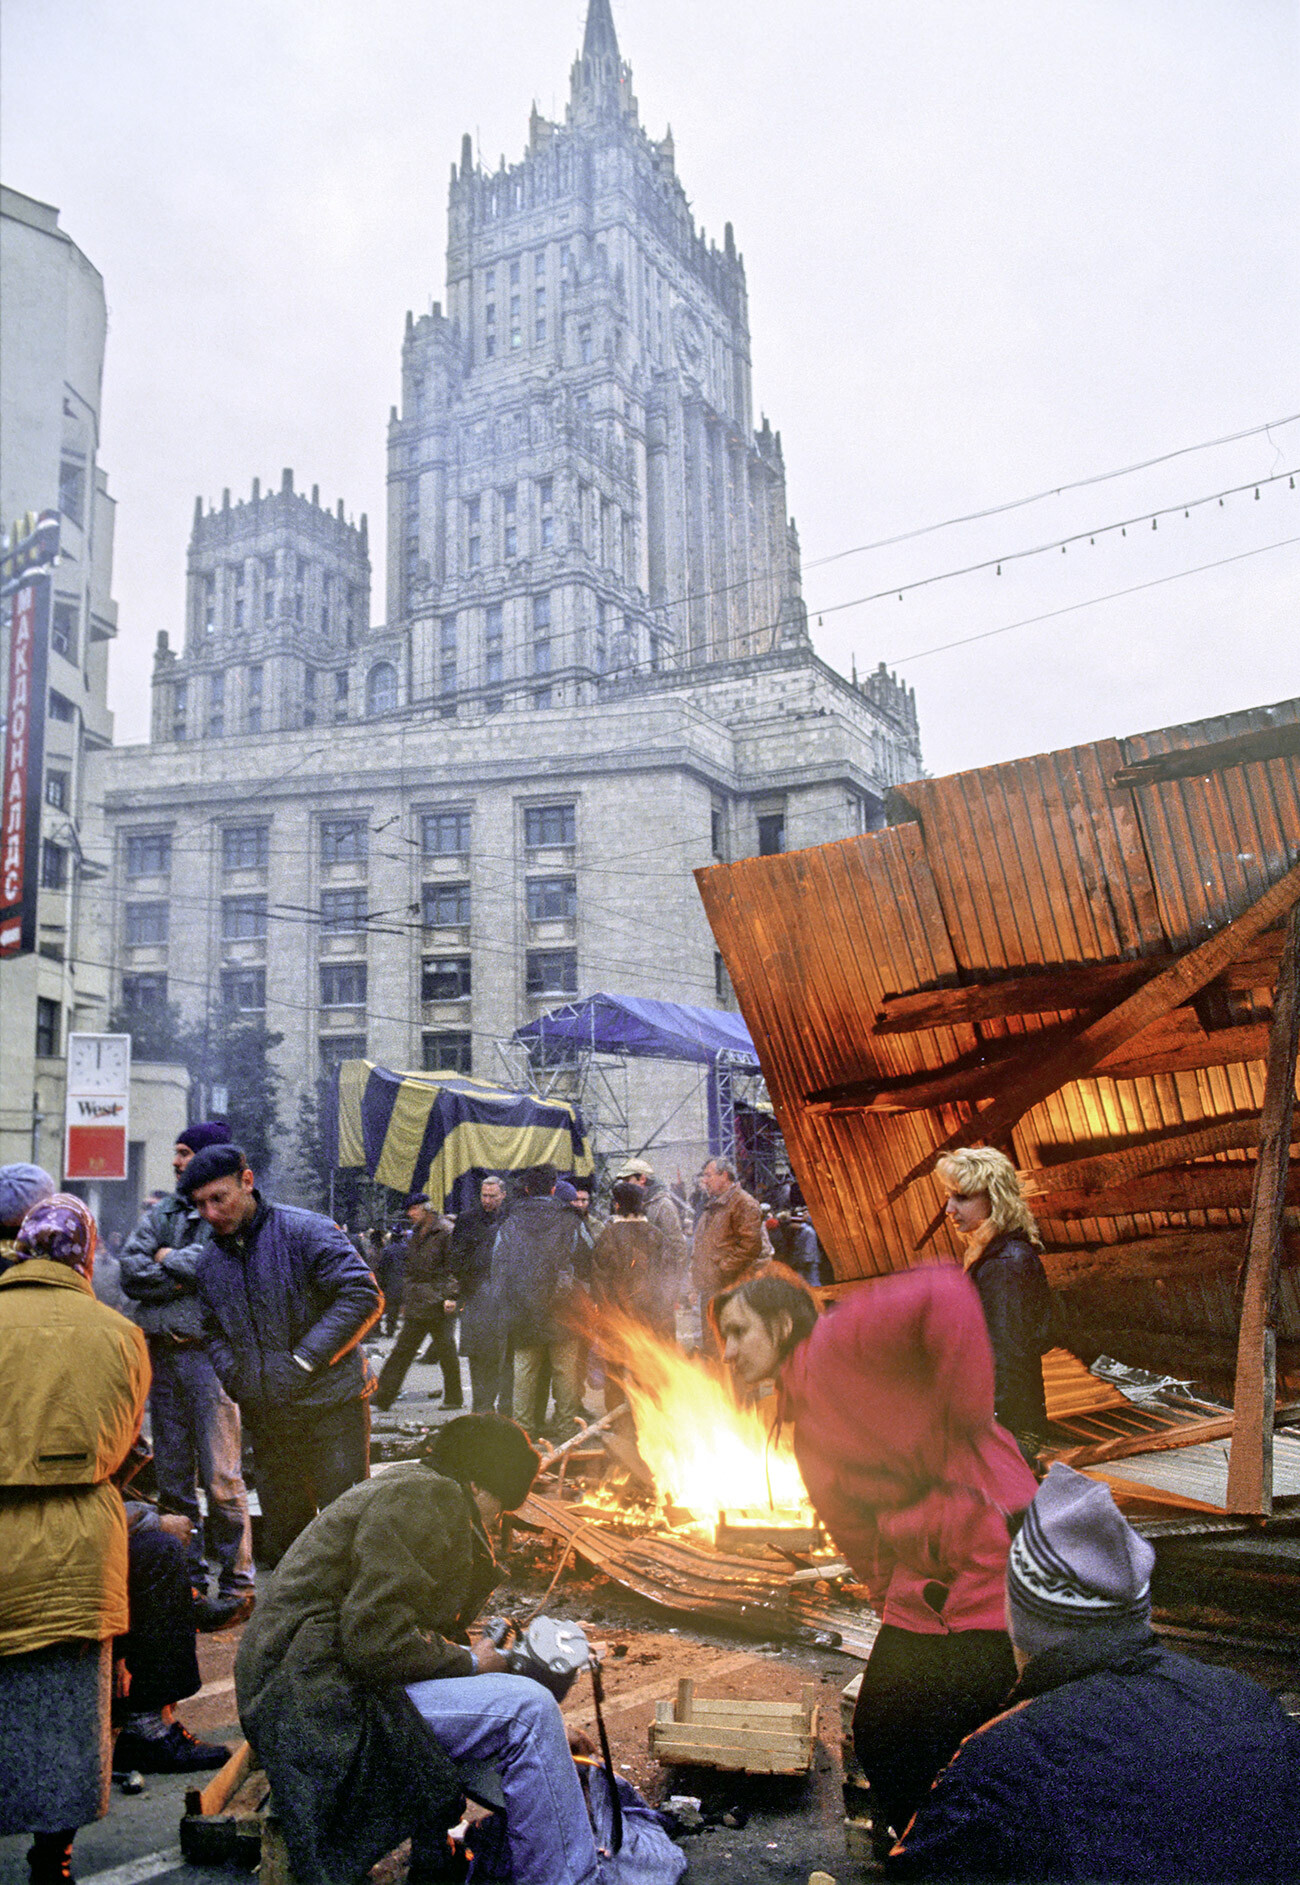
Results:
[1044, 865]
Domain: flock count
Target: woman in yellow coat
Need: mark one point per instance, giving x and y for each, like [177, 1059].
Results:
[73, 1380]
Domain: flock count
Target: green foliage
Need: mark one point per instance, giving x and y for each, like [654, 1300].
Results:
[232, 1051]
[310, 1168]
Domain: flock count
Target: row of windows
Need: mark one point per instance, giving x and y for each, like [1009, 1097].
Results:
[343, 912]
[344, 984]
[450, 1050]
[381, 698]
[342, 840]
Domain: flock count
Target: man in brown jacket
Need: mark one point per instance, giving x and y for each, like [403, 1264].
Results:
[728, 1236]
[429, 1305]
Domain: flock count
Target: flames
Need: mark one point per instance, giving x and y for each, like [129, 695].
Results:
[708, 1453]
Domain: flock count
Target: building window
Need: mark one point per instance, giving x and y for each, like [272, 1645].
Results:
[146, 924]
[343, 912]
[343, 984]
[344, 841]
[243, 919]
[541, 657]
[584, 345]
[445, 834]
[475, 552]
[340, 687]
[546, 826]
[542, 698]
[445, 978]
[209, 603]
[72, 491]
[446, 906]
[448, 1052]
[552, 899]
[545, 502]
[54, 865]
[63, 629]
[336, 1048]
[56, 790]
[148, 853]
[720, 986]
[180, 709]
[551, 972]
[244, 990]
[49, 1018]
[541, 612]
[217, 704]
[239, 612]
[61, 708]
[771, 834]
[245, 847]
[144, 994]
[254, 713]
[717, 829]
[381, 689]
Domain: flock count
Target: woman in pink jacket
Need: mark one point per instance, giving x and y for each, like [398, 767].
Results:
[890, 1403]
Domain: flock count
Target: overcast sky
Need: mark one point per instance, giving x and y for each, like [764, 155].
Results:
[992, 247]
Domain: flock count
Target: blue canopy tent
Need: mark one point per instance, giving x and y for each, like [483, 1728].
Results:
[634, 1026]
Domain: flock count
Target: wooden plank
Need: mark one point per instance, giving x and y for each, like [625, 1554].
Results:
[1191, 1188]
[1189, 1435]
[224, 1783]
[1111, 1031]
[1279, 742]
[1152, 1155]
[1175, 1254]
[1131, 1491]
[1250, 1467]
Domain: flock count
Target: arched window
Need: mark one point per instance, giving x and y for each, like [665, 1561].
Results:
[381, 688]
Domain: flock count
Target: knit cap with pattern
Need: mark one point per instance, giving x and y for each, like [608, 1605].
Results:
[1077, 1565]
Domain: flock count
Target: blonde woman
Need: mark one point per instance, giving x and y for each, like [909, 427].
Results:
[987, 1210]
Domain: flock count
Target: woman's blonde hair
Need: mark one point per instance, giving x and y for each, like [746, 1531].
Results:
[982, 1168]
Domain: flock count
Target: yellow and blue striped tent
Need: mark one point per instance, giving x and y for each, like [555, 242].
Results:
[432, 1131]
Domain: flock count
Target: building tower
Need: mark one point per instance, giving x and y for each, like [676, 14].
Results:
[277, 618]
[576, 489]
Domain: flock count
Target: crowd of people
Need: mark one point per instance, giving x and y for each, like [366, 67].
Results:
[1017, 1717]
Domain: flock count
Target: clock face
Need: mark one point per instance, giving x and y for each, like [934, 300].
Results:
[688, 336]
[99, 1063]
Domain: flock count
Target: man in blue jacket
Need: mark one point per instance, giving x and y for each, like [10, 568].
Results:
[1116, 1758]
[286, 1301]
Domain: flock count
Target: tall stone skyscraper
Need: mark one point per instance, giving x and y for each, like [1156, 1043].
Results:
[576, 488]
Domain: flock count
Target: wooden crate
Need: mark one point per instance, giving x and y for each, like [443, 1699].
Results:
[743, 1737]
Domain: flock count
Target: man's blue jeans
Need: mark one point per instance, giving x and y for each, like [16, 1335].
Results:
[516, 1724]
[196, 1438]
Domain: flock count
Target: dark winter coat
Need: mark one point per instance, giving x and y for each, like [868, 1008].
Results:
[430, 1280]
[632, 1270]
[891, 1404]
[1129, 1764]
[662, 1210]
[164, 1296]
[364, 1601]
[533, 1270]
[472, 1239]
[1017, 1302]
[288, 1283]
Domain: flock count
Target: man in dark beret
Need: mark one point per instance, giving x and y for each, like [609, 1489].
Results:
[195, 1424]
[285, 1301]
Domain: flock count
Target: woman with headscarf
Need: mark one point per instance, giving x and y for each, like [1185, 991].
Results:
[889, 1400]
[73, 1380]
[987, 1209]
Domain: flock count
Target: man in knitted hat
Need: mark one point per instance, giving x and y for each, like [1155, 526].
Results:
[195, 1424]
[1116, 1758]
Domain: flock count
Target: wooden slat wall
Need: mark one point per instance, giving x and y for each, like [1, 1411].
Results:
[1032, 865]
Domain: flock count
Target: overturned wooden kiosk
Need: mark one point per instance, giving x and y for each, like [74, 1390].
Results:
[1090, 958]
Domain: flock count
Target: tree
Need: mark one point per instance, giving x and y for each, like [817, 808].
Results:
[310, 1170]
[239, 1058]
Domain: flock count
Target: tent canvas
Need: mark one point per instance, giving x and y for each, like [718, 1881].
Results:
[432, 1131]
[633, 1025]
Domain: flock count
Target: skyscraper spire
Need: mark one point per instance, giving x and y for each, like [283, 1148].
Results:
[601, 85]
[600, 36]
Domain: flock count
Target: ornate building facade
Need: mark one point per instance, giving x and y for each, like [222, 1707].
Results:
[404, 841]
